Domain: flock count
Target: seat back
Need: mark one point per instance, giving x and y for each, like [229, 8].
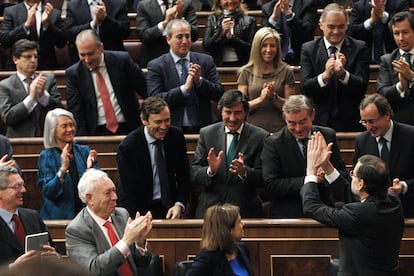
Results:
[155, 268]
[181, 268]
[135, 49]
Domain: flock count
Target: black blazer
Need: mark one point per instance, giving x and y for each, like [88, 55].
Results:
[369, 233]
[149, 14]
[13, 30]
[303, 25]
[225, 187]
[387, 79]
[126, 78]
[135, 188]
[401, 158]
[340, 109]
[284, 170]
[11, 248]
[163, 81]
[215, 263]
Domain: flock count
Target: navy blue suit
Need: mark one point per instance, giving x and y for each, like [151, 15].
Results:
[126, 78]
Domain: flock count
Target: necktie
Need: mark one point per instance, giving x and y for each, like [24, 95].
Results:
[304, 143]
[28, 81]
[18, 229]
[286, 33]
[33, 29]
[407, 57]
[231, 152]
[166, 200]
[111, 121]
[331, 50]
[385, 153]
[184, 70]
[125, 268]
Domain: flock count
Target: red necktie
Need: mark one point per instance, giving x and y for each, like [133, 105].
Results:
[111, 121]
[124, 269]
[18, 229]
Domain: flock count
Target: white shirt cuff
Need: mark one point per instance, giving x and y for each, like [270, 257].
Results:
[44, 99]
[320, 81]
[332, 177]
[123, 248]
[311, 178]
[29, 103]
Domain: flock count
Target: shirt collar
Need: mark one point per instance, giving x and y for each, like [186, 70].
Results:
[149, 138]
[388, 134]
[403, 52]
[327, 44]
[39, 7]
[100, 221]
[239, 131]
[6, 215]
[22, 77]
[177, 58]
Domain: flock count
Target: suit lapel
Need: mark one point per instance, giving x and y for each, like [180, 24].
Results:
[321, 55]
[8, 236]
[20, 91]
[85, 78]
[174, 78]
[396, 146]
[220, 144]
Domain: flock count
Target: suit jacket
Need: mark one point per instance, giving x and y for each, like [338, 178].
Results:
[163, 81]
[113, 30]
[339, 109]
[302, 25]
[215, 263]
[387, 79]
[87, 245]
[21, 123]
[135, 189]
[401, 158]
[149, 14]
[58, 200]
[11, 248]
[126, 78]
[284, 171]
[361, 11]
[225, 187]
[13, 30]
[369, 233]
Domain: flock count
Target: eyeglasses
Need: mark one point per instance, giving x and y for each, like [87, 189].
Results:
[16, 187]
[29, 56]
[369, 121]
[352, 174]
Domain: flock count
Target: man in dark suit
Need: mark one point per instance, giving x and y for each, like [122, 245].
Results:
[19, 22]
[188, 81]
[396, 75]
[103, 238]
[376, 115]
[13, 217]
[296, 20]
[370, 230]
[159, 183]
[100, 88]
[284, 162]
[334, 72]
[26, 97]
[109, 18]
[230, 174]
[152, 19]
[368, 21]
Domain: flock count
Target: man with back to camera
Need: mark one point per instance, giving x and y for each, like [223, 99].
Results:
[370, 230]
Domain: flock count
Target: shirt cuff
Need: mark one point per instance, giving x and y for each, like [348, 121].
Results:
[209, 173]
[332, 176]
[290, 18]
[161, 28]
[44, 99]
[385, 17]
[404, 187]
[272, 22]
[320, 81]
[29, 103]
[181, 205]
[123, 248]
[311, 178]
[367, 25]
[402, 93]
[346, 79]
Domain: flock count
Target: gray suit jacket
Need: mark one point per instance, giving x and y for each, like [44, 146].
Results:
[87, 245]
[225, 187]
[21, 123]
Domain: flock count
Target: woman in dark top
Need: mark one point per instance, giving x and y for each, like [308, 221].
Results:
[222, 253]
[229, 33]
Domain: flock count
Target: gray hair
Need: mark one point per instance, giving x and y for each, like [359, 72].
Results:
[88, 182]
[334, 8]
[5, 171]
[87, 34]
[49, 140]
[297, 103]
[172, 23]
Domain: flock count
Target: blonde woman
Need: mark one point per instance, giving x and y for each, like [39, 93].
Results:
[266, 80]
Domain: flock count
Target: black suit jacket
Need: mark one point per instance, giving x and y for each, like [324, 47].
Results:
[401, 158]
[135, 170]
[284, 168]
[369, 233]
[149, 14]
[126, 78]
[13, 30]
[302, 25]
[113, 30]
[225, 187]
[11, 248]
[361, 11]
[215, 263]
[387, 79]
[339, 109]
[163, 81]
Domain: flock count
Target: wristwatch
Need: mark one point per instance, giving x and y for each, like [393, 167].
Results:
[62, 174]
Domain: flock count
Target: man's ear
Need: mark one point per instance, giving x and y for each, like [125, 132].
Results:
[361, 185]
[144, 122]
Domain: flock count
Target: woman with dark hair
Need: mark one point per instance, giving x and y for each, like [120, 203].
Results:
[222, 253]
[229, 33]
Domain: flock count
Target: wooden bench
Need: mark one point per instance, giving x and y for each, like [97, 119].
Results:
[277, 246]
